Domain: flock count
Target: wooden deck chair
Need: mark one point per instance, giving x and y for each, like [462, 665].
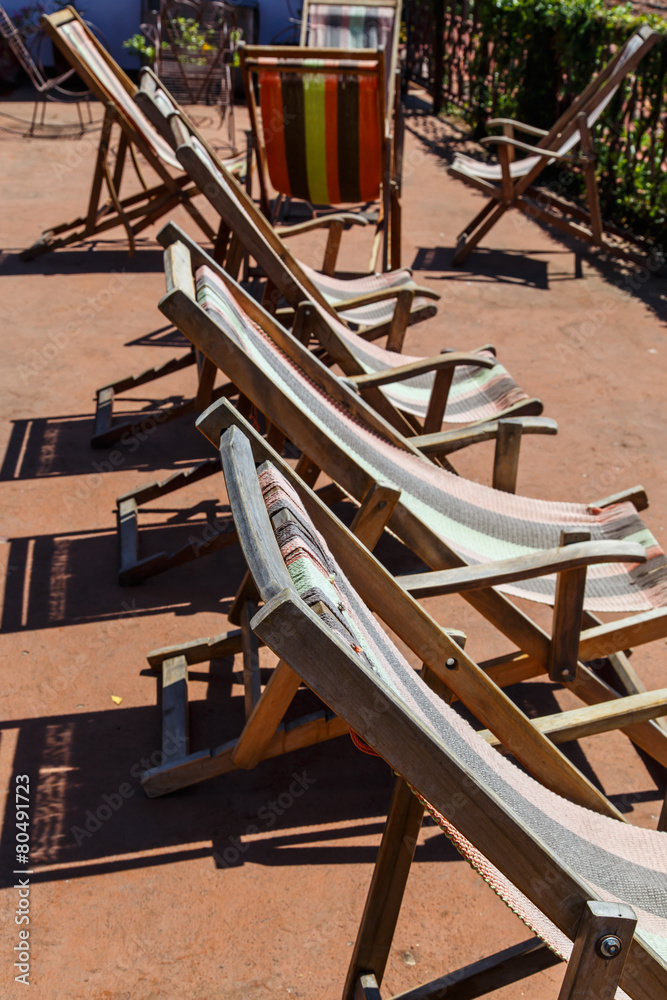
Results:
[590, 887]
[320, 131]
[374, 25]
[265, 733]
[48, 89]
[569, 143]
[468, 385]
[486, 545]
[115, 90]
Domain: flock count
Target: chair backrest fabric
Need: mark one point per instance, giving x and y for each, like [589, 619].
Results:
[322, 126]
[476, 522]
[107, 80]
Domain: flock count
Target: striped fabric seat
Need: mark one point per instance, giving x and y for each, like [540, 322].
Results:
[475, 393]
[480, 524]
[305, 279]
[322, 128]
[112, 87]
[620, 862]
[350, 26]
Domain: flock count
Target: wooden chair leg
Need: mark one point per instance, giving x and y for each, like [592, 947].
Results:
[385, 894]
[471, 236]
[133, 567]
[506, 457]
[567, 615]
[588, 151]
[600, 950]
[175, 709]
[106, 431]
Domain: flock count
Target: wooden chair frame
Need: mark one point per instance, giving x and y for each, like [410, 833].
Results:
[506, 431]
[265, 735]
[514, 191]
[387, 236]
[563, 654]
[133, 212]
[302, 642]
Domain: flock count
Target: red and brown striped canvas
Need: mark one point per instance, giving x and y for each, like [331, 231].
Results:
[621, 863]
[322, 126]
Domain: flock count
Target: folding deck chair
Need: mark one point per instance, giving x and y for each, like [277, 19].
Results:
[510, 183]
[266, 734]
[485, 545]
[321, 134]
[115, 90]
[375, 25]
[453, 386]
[588, 886]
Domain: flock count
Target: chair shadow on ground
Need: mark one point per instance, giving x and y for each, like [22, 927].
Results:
[89, 814]
[500, 266]
[54, 580]
[59, 446]
[90, 256]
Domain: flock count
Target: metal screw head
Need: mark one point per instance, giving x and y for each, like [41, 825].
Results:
[609, 946]
[451, 663]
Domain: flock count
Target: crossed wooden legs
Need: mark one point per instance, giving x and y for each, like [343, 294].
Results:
[135, 212]
[593, 972]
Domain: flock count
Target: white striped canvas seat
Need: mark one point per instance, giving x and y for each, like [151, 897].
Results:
[480, 524]
[521, 168]
[475, 394]
[334, 290]
[620, 862]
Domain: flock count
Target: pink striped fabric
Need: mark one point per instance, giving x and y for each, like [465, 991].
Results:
[619, 861]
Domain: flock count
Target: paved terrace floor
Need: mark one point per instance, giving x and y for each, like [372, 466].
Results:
[141, 908]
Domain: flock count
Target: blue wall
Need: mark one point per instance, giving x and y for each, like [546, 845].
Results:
[119, 19]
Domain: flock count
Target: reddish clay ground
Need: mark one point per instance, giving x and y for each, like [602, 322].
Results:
[141, 909]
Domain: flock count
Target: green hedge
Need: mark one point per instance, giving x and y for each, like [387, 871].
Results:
[532, 57]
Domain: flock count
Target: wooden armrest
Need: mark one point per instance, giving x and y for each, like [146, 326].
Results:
[382, 294]
[548, 154]
[446, 442]
[402, 372]
[635, 494]
[519, 126]
[368, 298]
[347, 218]
[504, 571]
[593, 719]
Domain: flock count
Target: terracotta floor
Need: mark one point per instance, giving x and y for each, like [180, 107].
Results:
[219, 891]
